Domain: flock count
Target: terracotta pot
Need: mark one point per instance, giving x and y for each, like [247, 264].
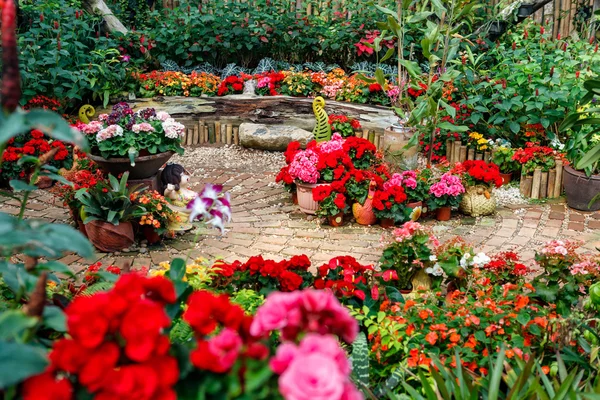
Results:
[506, 178]
[295, 198]
[443, 213]
[44, 182]
[305, 197]
[108, 237]
[150, 234]
[81, 227]
[387, 223]
[417, 208]
[75, 217]
[336, 220]
[580, 190]
[145, 166]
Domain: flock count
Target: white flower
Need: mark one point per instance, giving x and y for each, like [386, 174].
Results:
[433, 258]
[109, 132]
[481, 259]
[162, 116]
[173, 129]
[464, 261]
[436, 270]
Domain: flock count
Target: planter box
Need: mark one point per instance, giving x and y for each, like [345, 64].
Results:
[543, 185]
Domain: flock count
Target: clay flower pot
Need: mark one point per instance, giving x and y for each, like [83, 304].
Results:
[145, 166]
[443, 213]
[44, 182]
[581, 189]
[506, 178]
[108, 237]
[387, 223]
[305, 197]
[417, 210]
[150, 235]
[336, 220]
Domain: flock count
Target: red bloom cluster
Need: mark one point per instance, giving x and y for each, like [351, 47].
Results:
[116, 348]
[358, 147]
[274, 82]
[343, 275]
[364, 46]
[44, 102]
[375, 87]
[385, 199]
[288, 275]
[92, 271]
[231, 85]
[482, 172]
[205, 312]
[506, 264]
[531, 152]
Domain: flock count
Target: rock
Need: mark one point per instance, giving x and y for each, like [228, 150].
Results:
[250, 87]
[271, 137]
[143, 250]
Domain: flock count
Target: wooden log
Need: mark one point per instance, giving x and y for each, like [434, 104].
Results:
[487, 156]
[456, 151]
[551, 182]
[478, 156]
[217, 132]
[463, 153]
[223, 133]
[365, 133]
[211, 133]
[379, 141]
[200, 126]
[471, 154]
[522, 184]
[229, 133]
[196, 140]
[205, 133]
[536, 182]
[527, 186]
[558, 179]
[236, 135]
[186, 140]
[544, 185]
[449, 149]
[371, 137]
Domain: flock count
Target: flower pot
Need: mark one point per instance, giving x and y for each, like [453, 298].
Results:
[145, 166]
[150, 234]
[387, 223]
[75, 217]
[477, 201]
[525, 10]
[108, 237]
[336, 220]
[305, 197]
[506, 178]
[443, 213]
[81, 227]
[417, 210]
[44, 182]
[581, 189]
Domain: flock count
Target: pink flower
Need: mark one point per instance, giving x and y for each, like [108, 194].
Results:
[283, 358]
[279, 310]
[336, 143]
[225, 347]
[162, 116]
[449, 185]
[263, 82]
[351, 393]
[584, 268]
[143, 127]
[407, 230]
[312, 377]
[92, 127]
[102, 117]
[304, 166]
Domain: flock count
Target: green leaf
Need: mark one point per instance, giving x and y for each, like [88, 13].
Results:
[19, 362]
[449, 109]
[12, 126]
[514, 127]
[177, 270]
[20, 186]
[451, 127]
[54, 318]
[13, 323]
[388, 54]
[523, 318]
[589, 158]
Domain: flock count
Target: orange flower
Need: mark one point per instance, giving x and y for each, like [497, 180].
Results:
[471, 343]
[510, 353]
[522, 301]
[431, 338]
[423, 314]
[472, 320]
[410, 329]
[483, 371]
[454, 338]
[546, 369]
[408, 304]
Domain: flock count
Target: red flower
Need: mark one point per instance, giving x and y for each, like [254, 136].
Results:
[375, 87]
[321, 192]
[340, 201]
[48, 387]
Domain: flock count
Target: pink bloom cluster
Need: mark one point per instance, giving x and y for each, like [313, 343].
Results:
[407, 231]
[109, 132]
[173, 129]
[304, 166]
[315, 369]
[557, 248]
[143, 127]
[91, 128]
[263, 82]
[405, 179]
[586, 267]
[449, 185]
[336, 143]
[162, 116]
[332, 90]
[304, 311]
[393, 93]
[102, 117]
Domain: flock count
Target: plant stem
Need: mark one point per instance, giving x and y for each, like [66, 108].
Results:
[32, 180]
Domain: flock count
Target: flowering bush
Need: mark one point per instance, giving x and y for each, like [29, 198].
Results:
[505, 267]
[446, 193]
[269, 83]
[478, 142]
[534, 156]
[263, 276]
[169, 83]
[503, 158]
[331, 203]
[297, 83]
[343, 125]
[479, 172]
[415, 184]
[390, 203]
[125, 133]
[231, 85]
[158, 216]
[345, 277]
[455, 259]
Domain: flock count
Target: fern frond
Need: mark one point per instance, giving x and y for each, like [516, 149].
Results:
[97, 287]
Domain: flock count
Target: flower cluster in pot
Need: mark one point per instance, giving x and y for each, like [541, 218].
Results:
[127, 133]
[478, 172]
[400, 198]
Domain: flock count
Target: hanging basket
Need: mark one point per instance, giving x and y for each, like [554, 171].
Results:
[477, 201]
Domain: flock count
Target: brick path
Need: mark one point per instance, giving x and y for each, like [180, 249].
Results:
[266, 222]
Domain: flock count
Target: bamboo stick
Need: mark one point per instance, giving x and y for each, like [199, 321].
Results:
[358, 134]
[196, 140]
[211, 133]
[478, 156]
[217, 132]
[463, 153]
[544, 185]
[535, 185]
[527, 186]
[522, 184]
[229, 134]
[223, 133]
[205, 133]
[371, 137]
[186, 140]
[236, 135]
[365, 133]
[456, 151]
[471, 154]
[559, 178]
[551, 182]
[449, 150]
[486, 156]
[378, 141]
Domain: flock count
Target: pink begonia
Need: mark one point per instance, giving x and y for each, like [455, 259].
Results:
[226, 347]
[102, 117]
[316, 369]
[304, 166]
[162, 116]
[407, 230]
[263, 82]
[584, 268]
[405, 179]
[143, 127]
[92, 127]
[556, 248]
[109, 132]
[449, 185]
[306, 311]
[173, 129]
[336, 143]
[332, 90]
[393, 93]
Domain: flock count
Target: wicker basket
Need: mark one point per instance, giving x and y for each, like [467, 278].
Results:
[477, 201]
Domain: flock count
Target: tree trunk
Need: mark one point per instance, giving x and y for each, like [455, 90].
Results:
[99, 7]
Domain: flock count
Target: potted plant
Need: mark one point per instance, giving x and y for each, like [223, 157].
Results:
[525, 10]
[343, 125]
[582, 177]
[138, 142]
[158, 215]
[303, 170]
[503, 158]
[389, 205]
[332, 204]
[107, 211]
[455, 259]
[445, 195]
[407, 254]
[416, 188]
[479, 178]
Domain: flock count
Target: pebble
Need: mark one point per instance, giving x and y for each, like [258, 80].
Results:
[231, 157]
[506, 195]
[143, 250]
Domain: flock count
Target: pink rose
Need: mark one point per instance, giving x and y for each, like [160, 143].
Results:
[286, 353]
[279, 310]
[326, 345]
[351, 393]
[312, 377]
[226, 347]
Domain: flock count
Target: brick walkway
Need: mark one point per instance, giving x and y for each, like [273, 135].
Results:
[266, 222]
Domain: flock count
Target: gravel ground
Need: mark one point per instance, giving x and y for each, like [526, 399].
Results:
[506, 195]
[231, 158]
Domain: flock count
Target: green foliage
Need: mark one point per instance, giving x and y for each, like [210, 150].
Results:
[360, 360]
[181, 332]
[97, 287]
[248, 299]
[503, 159]
[110, 203]
[400, 257]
